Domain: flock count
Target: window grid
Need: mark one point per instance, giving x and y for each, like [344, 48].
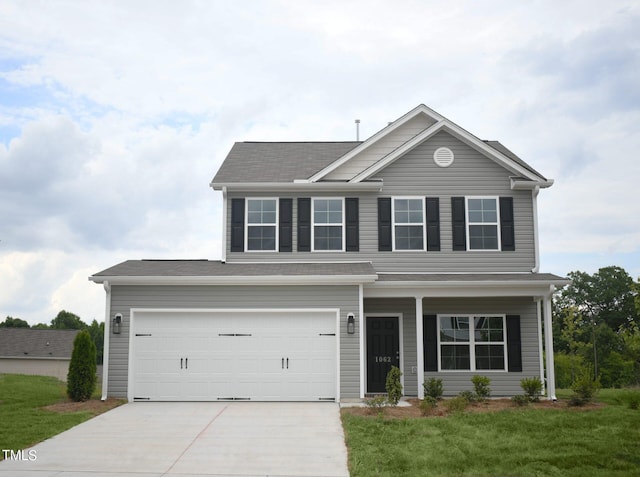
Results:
[408, 217]
[261, 223]
[483, 226]
[484, 349]
[328, 231]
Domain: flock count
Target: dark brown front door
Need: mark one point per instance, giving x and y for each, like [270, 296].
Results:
[383, 351]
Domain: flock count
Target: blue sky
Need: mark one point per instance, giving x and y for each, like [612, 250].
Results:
[114, 117]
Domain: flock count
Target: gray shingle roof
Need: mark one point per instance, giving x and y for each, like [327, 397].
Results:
[498, 146]
[30, 343]
[279, 161]
[207, 268]
[471, 277]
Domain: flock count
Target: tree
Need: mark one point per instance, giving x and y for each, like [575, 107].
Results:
[96, 330]
[65, 320]
[11, 322]
[81, 379]
[597, 310]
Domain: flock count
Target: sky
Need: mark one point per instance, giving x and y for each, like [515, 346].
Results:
[115, 116]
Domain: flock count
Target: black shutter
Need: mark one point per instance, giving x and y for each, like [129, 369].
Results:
[304, 224]
[353, 224]
[384, 224]
[458, 223]
[285, 224]
[430, 342]
[507, 235]
[433, 224]
[237, 225]
[514, 344]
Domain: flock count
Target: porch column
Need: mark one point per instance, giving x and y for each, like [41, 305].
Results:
[548, 347]
[419, 347]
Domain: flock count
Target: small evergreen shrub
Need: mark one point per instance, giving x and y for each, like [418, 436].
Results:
[532, 388]
[393, 385]
[521, 400]
[467, 396]
[584, 389]
[481, 387]
[376, 404]
[456, 404]
[433, 388]
[428, 405]
[81, 379]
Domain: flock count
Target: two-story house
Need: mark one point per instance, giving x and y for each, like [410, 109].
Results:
[417, 247]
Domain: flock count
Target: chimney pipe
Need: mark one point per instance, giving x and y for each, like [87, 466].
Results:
[357, 129]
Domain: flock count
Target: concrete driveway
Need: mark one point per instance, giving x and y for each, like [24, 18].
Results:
[194, 439]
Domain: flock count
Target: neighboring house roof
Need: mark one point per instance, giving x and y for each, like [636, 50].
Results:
[30, 343]
[215, 271]
[279, 161]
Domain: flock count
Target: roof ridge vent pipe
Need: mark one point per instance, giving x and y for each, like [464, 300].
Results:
[357, 129]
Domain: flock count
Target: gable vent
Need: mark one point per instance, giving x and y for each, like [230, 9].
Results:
[443, 157]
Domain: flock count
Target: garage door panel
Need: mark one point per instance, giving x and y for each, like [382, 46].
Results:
[234, 355]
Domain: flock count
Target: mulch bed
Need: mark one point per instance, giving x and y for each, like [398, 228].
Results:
[492, 405]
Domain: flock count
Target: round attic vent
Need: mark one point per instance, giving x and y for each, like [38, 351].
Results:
[443, 157]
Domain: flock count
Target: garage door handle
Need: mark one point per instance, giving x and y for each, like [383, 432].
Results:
[180, 363]
[282, 363]
[287, 363]
[186, 363]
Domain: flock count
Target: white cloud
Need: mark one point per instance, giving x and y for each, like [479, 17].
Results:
[118, 115]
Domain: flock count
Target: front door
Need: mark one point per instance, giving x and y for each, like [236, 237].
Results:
[383, 351]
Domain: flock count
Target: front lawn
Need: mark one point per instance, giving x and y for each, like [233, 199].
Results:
[26, 421]
[559, 441]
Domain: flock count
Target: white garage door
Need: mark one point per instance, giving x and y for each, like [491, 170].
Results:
[257, 355]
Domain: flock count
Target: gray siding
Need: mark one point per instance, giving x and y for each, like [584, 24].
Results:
[416, 174]
[123, 298]
[406, 307]
[502, 383]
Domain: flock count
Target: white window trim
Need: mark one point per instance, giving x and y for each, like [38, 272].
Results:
[313, 225]
[472, 343]
[469, 223]
[393, 224]
[247, 225]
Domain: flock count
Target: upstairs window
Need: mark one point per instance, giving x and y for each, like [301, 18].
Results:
[328, 224]
[408, 224]
[262, 224]
[482, 223]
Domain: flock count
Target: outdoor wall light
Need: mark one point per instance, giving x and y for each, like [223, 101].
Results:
[351, 324]
[117, 324]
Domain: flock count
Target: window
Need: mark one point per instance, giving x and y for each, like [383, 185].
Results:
[484, 349]
[408, 224]
[262, 224]
[328, 227]
[482, 223]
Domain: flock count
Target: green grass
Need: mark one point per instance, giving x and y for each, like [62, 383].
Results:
[514, 442]
[23, 422]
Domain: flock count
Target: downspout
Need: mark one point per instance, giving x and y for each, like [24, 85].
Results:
[224, 225]
[536, 244]
[107, 334]
[361, 338]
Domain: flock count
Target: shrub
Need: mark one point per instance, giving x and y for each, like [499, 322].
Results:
[467, 396]
[632, 399]
[456, 404]
[376, 404]
[394, 385]
[81, 379]
[584, 389]
[433, 388]
[428, 405]
[481, 387]
[532, 388]
[521, 400]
